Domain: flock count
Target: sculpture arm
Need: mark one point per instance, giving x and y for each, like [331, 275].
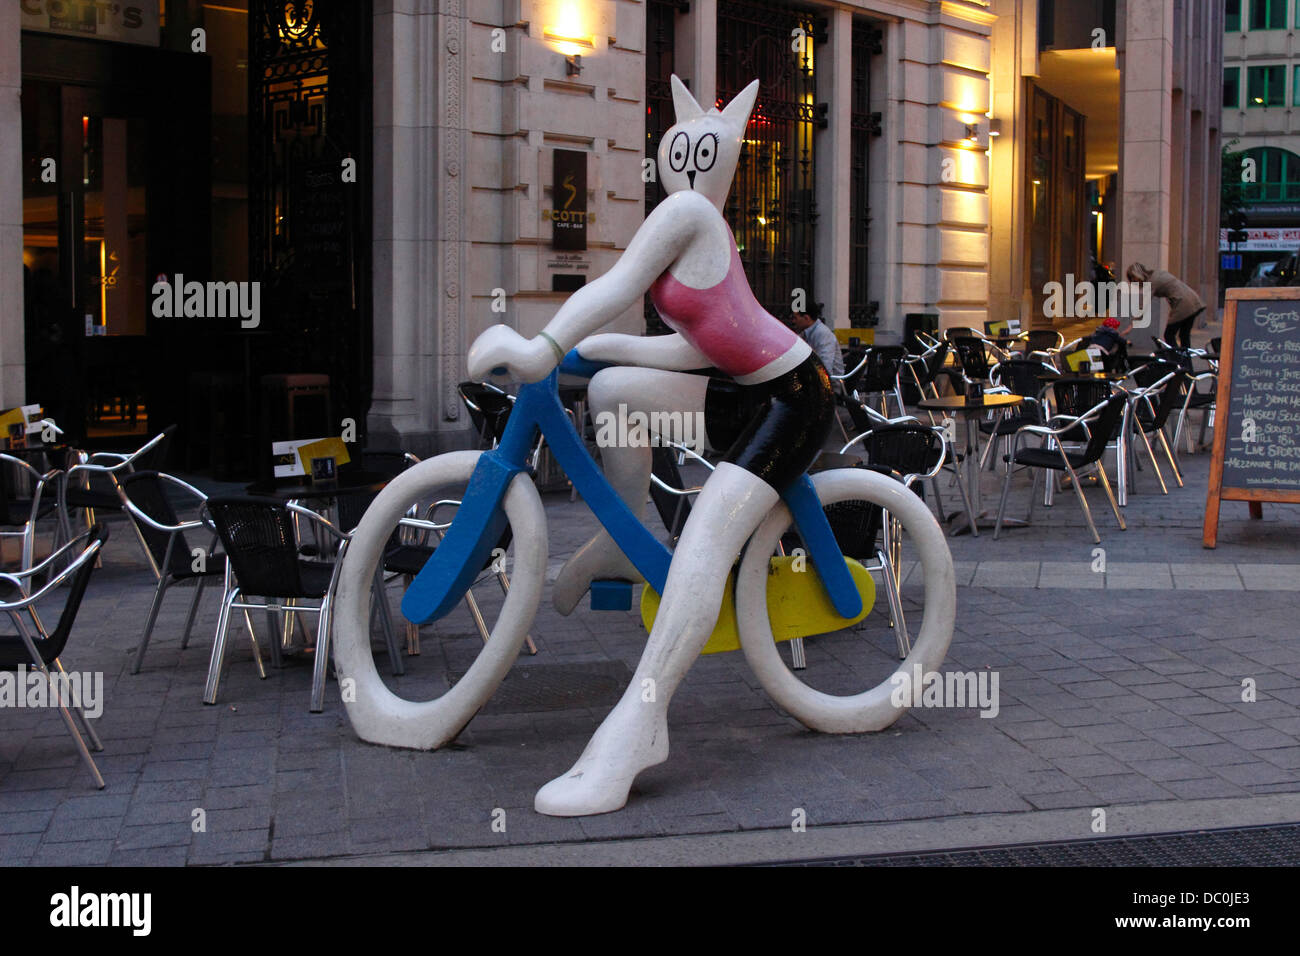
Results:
[669, 352]
[661, 239]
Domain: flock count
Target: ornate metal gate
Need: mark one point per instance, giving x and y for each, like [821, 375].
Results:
[864, 126]
[772, 209]
[309, 222]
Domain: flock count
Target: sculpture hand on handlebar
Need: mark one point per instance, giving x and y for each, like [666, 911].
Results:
[529, 360]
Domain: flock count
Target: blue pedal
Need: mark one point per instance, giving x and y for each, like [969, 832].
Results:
[611, 594]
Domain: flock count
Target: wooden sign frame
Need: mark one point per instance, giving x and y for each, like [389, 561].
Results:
[1217, 493]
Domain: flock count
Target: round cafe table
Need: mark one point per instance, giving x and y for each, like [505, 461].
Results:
[971, 409]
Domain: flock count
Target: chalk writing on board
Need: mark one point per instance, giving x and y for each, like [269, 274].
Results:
[1263, 425]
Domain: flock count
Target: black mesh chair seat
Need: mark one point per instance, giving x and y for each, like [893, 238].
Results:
[1048, 458]
[13, 651]
[489, 409]
[15, 512]
[102, 499]
[407, 558]
[315, 577]
[214, 567]
[1104, 421]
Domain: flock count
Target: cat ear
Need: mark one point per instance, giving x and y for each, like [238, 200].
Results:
[684, 105]
[738, 110]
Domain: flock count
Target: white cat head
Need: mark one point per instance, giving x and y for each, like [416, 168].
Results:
[700, 151]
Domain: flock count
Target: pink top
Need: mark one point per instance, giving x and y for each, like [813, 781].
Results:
[724, 323]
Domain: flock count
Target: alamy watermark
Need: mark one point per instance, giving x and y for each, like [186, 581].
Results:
[952, 689]
[75, 909]
[24, 687]
[1082, 300]
[208, 300]
[624, 429]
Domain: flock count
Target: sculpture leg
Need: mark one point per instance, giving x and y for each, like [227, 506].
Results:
[635, 734]
[616, 395]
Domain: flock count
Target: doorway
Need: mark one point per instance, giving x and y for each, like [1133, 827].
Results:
[115, 193]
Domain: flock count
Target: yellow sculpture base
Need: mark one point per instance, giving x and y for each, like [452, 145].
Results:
[797, 604]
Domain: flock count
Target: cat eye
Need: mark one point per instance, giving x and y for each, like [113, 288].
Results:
[680, 149]
[706, 151]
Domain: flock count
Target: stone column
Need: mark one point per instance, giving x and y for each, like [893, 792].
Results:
[956, 166]
[13, 363]
[1146, 137]
[418, 193]
[834, 169]
[697, 39]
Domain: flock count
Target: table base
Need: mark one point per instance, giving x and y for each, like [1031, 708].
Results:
[985, 521]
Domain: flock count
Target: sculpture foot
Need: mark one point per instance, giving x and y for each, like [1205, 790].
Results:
[624, 745]
[598, 558]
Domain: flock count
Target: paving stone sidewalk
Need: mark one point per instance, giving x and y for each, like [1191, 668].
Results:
[1131, 696]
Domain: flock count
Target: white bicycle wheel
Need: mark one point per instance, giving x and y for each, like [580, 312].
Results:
[873, 708]
[378, 714]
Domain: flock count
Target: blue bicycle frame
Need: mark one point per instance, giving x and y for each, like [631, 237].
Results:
[481, 520]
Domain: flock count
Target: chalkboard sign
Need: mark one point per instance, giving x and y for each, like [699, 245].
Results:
[1257, 431]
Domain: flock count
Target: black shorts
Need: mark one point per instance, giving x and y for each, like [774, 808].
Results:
[774, 430]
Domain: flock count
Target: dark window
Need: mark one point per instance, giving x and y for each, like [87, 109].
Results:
[1232, 88]
[1268, 14]
[1266, 86]
[1232, 16]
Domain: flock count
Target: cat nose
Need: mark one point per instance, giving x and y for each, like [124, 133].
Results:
[690, 176]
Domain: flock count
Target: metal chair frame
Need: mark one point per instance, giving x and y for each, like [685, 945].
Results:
[28, 532]
[27, 603]
[1052, 439]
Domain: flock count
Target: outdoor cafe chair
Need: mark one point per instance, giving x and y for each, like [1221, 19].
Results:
[489, 409]
[876, 373]
[263, 560]
[1045, 344]
[171, 557]
[1152, 403]
[17, 479]
[976, 357]
[1198, 388]
[1026, 377]
[857, 526]
[1096, 425]
[916, 453]
[668, 490]
[92, 483]
[30, 645]
[925, 368]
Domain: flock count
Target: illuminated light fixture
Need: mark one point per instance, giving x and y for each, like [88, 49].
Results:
[1259, 99]
[995, 127]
